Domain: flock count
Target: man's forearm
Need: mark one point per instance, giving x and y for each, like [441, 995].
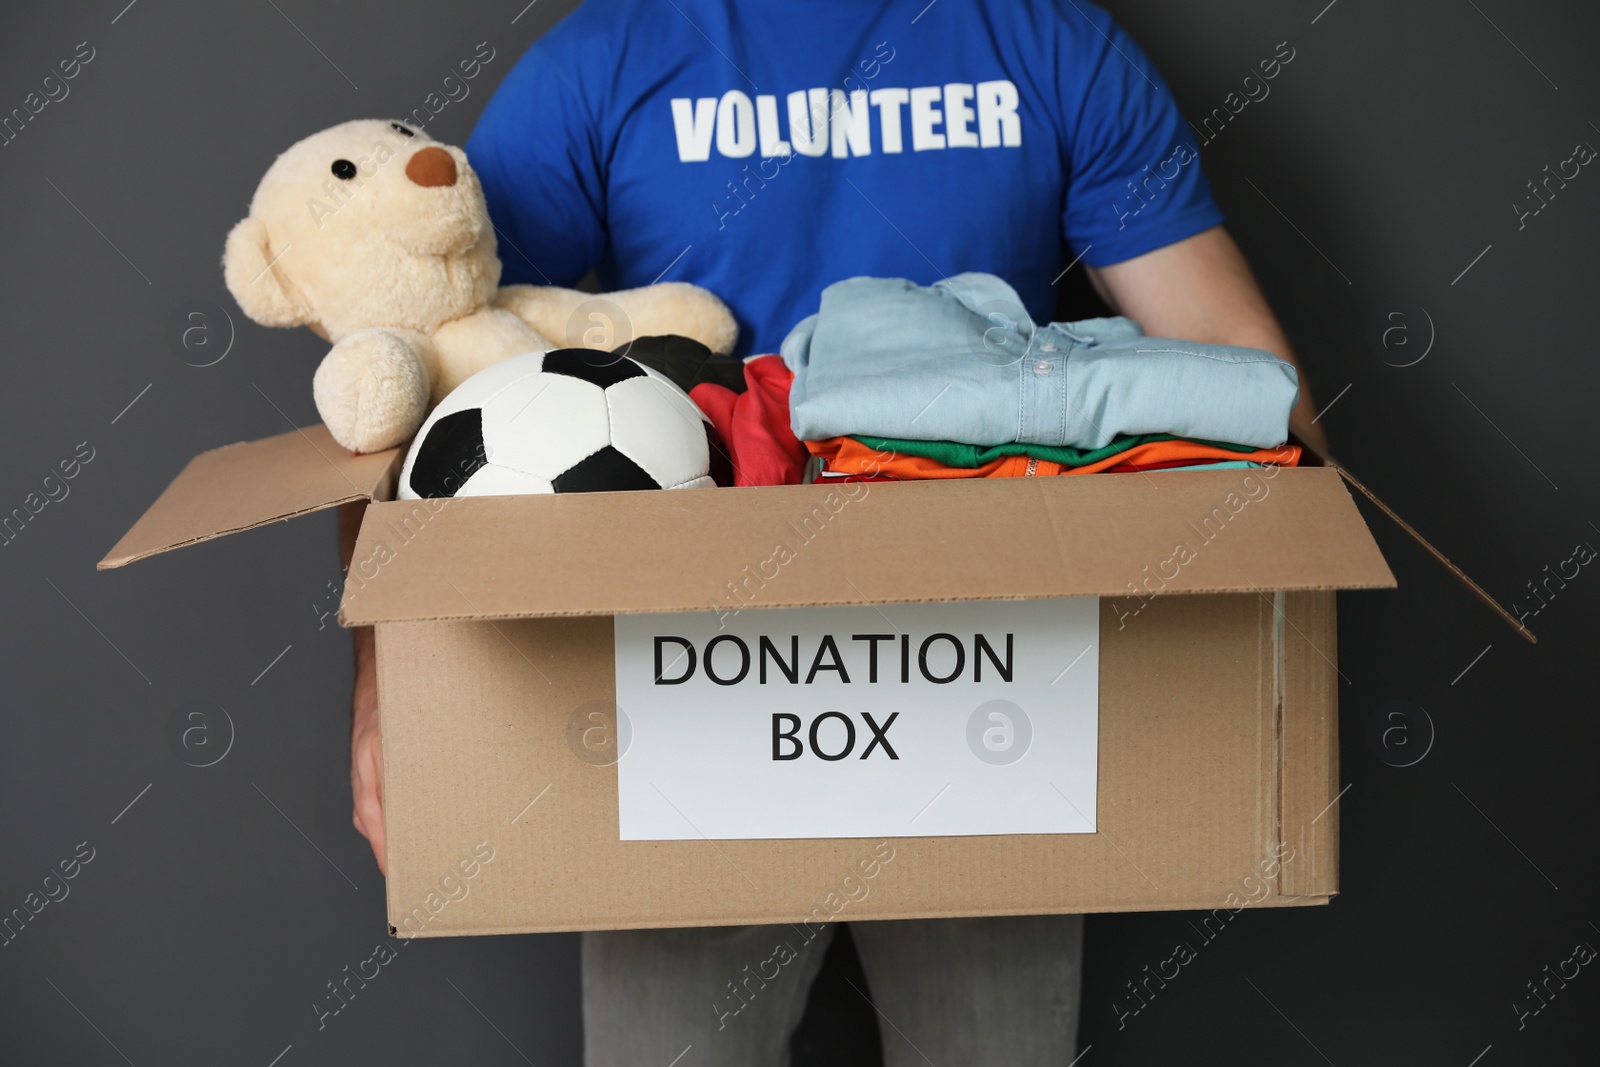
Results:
[1201, 289]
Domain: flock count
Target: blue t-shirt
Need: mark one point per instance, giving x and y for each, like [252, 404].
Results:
[764, 150]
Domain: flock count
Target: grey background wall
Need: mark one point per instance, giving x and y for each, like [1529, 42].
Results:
[1373, 189]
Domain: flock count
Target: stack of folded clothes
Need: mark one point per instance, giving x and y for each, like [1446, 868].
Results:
[892, 380]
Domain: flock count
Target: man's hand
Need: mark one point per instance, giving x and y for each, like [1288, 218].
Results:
[366, 750]
[1201, 289]
[366, 753]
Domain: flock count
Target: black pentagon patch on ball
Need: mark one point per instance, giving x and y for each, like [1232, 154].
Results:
[721, 464]
[450, 454]
[604, 471]
[604, 369]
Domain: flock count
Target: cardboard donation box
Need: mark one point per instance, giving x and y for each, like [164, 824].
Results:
[1110, 692]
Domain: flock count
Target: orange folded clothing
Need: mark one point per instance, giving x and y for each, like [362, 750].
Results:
[848, 456]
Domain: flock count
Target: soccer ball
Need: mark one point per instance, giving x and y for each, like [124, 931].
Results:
[568, 421]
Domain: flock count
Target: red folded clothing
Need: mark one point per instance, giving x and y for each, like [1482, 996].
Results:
[755, 424]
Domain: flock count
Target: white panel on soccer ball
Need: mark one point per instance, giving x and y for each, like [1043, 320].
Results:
[655, 424]
[705, 481]
[469, 394]
[492, 480]
[658, 376]
[481, 387]
[545, 423]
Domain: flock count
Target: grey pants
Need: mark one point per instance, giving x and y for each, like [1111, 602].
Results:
[946, 991]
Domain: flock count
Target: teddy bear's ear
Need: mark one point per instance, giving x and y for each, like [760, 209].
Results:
[247, 269]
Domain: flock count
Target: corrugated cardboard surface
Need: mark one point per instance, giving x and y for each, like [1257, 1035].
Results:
[241, 486]
[476, 718]
[1309, 724]
[790, 546]
[1218, 708]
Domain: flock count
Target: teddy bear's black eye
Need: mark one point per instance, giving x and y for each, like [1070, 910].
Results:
[401, 129]
[343, 169]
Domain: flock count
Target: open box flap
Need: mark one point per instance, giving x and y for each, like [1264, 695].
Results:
[241, 486]
[861, 543]
[1318, 456]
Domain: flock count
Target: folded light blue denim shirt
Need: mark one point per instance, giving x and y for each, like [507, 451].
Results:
[961, 360]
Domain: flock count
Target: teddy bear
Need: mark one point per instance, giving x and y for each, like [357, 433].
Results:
[377, 237]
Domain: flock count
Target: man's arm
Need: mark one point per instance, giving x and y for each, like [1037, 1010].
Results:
[1201, 289]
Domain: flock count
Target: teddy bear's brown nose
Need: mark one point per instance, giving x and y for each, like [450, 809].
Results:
[431, 167]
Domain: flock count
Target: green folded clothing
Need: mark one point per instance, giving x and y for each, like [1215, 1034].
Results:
[957, 454]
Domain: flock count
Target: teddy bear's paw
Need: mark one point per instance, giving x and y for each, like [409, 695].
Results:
[371, 391]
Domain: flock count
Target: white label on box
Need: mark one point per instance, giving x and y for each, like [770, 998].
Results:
[909, 720]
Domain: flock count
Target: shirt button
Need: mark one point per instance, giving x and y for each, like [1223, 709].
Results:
[1049, 348]
[1042, 368]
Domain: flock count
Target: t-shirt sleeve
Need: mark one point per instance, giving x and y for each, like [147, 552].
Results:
[537, 151]
[1134, 182]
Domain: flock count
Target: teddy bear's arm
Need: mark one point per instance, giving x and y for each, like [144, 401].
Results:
[574, 319]
[558, 314]
[372, 388]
